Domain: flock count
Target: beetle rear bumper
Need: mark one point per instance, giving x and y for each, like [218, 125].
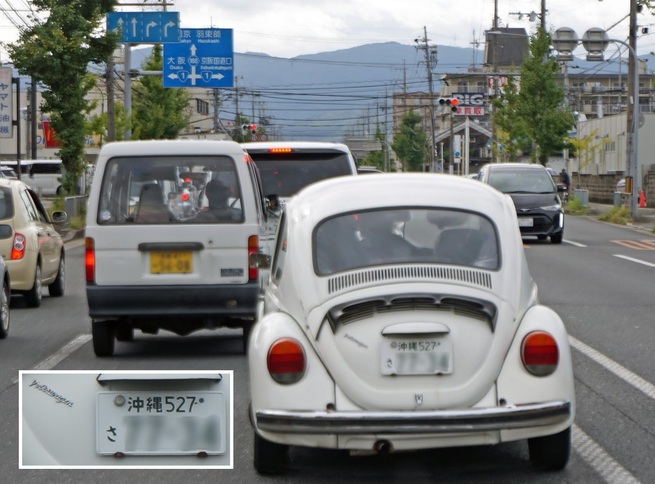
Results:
[415, 422]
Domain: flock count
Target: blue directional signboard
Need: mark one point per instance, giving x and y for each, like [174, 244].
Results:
[145, 27]
[202, 58]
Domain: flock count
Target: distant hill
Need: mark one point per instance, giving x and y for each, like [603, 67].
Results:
[330, 94]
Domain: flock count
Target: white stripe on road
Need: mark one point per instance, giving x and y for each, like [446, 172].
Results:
[632, 259]
[577, 244]
[633, 379]
[62, 354]
[594, 455]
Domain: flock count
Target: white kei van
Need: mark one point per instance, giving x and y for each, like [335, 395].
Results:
[174, 235]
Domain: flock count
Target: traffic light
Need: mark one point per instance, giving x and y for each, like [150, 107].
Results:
[249, 127]
[449, 101]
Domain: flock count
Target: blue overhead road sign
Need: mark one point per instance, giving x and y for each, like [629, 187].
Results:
[145, 27]
[202, 58]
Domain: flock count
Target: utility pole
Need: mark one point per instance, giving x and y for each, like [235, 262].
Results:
[494, 53]
[632, 171]
[430, 53]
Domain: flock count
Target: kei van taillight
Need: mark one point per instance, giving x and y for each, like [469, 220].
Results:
[18, 247]
[253, 250]
[286, 361]
[539, 353]
[90, 259]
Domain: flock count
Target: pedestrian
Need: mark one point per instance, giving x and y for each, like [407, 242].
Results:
[565, 179]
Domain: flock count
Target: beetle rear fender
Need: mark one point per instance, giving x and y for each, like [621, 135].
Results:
[516, 385]
[314, 391]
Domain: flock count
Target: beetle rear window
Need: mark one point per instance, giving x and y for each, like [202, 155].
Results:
[404, 236]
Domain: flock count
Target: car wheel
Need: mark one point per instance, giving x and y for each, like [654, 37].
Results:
[541, 237]
[103, 337]
[270, 458]
[35, 294]
[58, 286]
[4, 310]
[551, 453]
[124, 332]
[556, 238]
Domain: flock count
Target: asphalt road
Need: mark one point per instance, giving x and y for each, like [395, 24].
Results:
[599, 280]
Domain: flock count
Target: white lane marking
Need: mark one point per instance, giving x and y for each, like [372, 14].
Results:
[632, 378]
[62, 354]
[632, 259]
[593, 454]
[577, 244]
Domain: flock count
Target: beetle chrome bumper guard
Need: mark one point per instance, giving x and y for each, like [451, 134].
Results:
[415, 422]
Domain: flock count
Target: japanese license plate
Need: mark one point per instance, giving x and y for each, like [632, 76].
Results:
[165, 262]
[525, 222]
[416, 357]
[157, 423]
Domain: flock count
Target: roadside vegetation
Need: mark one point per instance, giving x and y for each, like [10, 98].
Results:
[617, 215]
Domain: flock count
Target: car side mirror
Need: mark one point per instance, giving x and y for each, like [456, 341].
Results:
[273, 202]
[260, 260]
[59, 217]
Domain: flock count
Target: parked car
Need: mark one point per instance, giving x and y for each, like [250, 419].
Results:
[32, 248]
[535, 195]
[401, 315]
[172, 229]
[5, 297]
[368, 170]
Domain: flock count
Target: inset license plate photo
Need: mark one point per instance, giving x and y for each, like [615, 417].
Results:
[126, 419]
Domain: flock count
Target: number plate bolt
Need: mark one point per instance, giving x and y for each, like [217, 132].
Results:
[119, 400]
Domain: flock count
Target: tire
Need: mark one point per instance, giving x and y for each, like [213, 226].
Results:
[551, 453]
[557, 238]
[103, 337]
[35, 294]
[124, 332]
[4, 310]
[58, 286]
[270, 458]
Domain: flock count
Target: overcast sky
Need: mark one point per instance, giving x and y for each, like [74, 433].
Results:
[287, 28]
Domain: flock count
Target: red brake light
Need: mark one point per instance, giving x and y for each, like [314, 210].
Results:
[185, 197]
[18, 247]
[539, 353]
[286, 361]
[279, 150]
[90, 259]
[253, 250]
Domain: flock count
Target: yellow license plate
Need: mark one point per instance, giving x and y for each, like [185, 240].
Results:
[170, 262]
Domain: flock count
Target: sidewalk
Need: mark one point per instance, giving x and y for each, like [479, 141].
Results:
[645, 219]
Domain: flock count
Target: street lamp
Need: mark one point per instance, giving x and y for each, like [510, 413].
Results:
[595, 41]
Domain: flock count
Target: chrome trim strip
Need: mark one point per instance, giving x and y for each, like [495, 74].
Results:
[415, 422]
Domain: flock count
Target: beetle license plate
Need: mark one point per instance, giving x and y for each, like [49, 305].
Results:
[158, 423]
[166, 262]
[416, 357]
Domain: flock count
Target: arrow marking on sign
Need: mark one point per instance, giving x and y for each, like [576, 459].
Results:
[134, 22]
[167, 26]
[149, 26]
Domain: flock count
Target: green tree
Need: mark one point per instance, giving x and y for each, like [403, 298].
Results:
[157, 112]
[409, 143]
[56, 52]
[535, 115]
[97, 125]
[376, 158]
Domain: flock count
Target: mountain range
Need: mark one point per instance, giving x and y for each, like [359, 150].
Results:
[330, 94]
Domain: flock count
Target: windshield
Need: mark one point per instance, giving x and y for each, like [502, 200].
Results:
[285, 174]
[400, 236]
[521, 181]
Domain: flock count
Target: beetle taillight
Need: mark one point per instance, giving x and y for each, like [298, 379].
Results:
[539, 353]
[286, 360]
[18, 247]
[253, 250]
[90, 259]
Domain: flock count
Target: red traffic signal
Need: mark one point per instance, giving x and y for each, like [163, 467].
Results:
[451, 102]
[249, 127]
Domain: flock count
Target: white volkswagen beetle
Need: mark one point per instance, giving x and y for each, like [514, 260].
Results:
[401, 315]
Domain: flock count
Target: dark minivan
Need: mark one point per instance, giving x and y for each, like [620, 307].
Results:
[535, 196]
